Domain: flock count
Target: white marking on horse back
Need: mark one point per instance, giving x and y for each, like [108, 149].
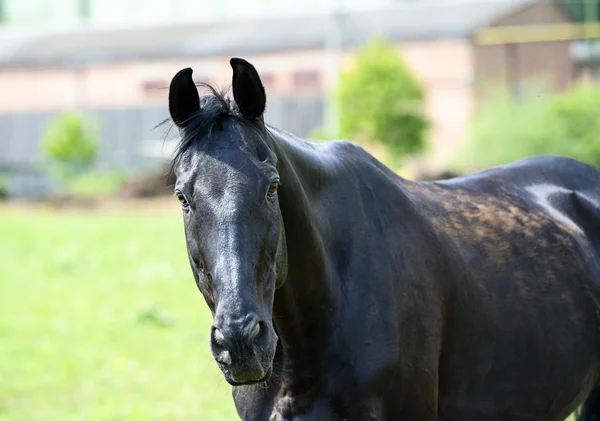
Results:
[543, 192]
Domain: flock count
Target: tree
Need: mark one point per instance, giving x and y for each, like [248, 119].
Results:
[380, 99]
[70, 145]
[582, 10]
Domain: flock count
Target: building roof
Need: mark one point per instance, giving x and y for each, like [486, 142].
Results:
[413, 20]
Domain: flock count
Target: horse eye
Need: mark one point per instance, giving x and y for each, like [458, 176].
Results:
[181, 198]
[273, 188]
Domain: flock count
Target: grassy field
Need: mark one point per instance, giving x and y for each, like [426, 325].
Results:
[100, 320]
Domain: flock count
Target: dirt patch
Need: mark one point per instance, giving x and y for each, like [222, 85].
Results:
[111, 205]
[152, 205]
[146, 193]
[71, 201]
[153, 184]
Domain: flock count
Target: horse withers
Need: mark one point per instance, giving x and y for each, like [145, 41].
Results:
[340, 291]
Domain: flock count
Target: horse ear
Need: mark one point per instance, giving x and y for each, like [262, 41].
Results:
[184, 100]
[248, 90]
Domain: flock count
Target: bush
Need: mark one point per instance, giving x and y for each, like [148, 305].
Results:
[70, 145]
[566, 124]
[577, 118]
[3, 187]
[380, 100]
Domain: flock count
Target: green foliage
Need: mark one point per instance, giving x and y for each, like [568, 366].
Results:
[3, 187]
[505, 130]
[577, 116]
[577, 9]
[70, 145]
[380, 100]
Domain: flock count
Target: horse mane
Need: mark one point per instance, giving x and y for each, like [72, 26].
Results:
[214, 108]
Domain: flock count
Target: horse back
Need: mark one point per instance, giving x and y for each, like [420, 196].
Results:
[523, 239]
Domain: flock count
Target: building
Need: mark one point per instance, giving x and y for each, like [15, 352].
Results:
[119, 74]
[110, 13]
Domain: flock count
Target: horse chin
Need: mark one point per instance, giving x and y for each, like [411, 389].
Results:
[233, 381]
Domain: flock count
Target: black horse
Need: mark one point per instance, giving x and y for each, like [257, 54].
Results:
[340, 291]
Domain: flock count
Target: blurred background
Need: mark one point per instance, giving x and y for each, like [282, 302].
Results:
[99, 315]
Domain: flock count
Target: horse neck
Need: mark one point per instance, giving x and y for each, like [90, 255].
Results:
[302, 303]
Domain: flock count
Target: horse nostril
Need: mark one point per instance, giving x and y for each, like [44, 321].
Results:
[224, 357]
[254, 331]
[218, 337]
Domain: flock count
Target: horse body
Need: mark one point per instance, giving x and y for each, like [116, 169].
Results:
[524, 336]
[478, 294]
[467, 299]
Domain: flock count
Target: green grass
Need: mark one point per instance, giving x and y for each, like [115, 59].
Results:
[100, 320]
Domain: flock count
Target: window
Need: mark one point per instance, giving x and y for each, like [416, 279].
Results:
[308, 80]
